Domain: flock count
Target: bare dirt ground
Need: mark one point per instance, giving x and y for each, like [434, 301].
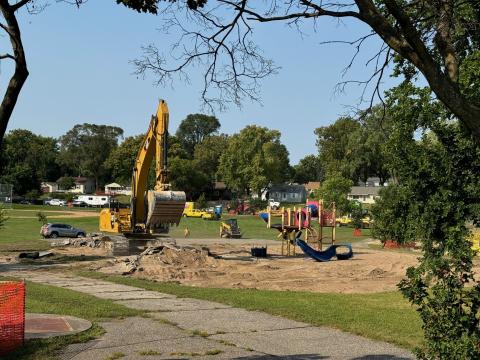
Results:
[233, 267]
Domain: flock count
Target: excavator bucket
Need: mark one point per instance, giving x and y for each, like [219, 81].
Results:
[164, 208]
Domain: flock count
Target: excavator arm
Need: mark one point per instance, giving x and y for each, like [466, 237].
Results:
[151, 211]
[158, 208]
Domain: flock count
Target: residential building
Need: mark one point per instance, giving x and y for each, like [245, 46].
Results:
[312, 186]
[82, 185]
[49, 187]
[293, 193]
[364, 194]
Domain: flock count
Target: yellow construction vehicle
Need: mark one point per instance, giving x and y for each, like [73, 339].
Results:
[150, 211]
[229, 228]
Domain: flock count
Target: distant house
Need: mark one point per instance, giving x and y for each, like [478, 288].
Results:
[82, 185]
[49, 187]
[288, 193]
[312, 186]
[364, 194]
[372, 181]
[220, 191]
[114, 189]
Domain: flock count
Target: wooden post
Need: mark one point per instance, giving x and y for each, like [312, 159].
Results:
[334, 230]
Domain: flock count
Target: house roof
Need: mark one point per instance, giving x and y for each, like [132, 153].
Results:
[365, 190]
[312, 185]
[78, 179]
[287, 188]
[219, 185]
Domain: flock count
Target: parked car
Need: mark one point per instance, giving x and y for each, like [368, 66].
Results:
[79, 203]
[56, 202]
[56, 230]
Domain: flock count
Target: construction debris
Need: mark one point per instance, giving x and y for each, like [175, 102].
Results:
[92, 241]
[163, 255]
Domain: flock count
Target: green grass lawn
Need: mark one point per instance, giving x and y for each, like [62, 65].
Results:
[252, 227]
[381, 316]
[54, 300]
[22, 234]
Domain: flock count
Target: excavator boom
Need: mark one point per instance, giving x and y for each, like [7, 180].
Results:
[151, 211]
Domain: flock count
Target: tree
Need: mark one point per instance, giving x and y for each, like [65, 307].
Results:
[207, 154]
[336, 148]
[27, 160]
[194, 128]
[185, 176]
[436, 164]
[121, 160]
[66, 183]
[20, 73]
[335, 189]
[253, 159]
[430, 37]
[85, 148]
[307, 169]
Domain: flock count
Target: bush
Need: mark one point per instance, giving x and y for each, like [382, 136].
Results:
[257, 204]
[201, 202]
[3, 217]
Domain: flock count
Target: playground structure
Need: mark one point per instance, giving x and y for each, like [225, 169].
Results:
[303, 218]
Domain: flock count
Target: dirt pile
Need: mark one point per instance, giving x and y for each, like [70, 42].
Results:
[169, 261]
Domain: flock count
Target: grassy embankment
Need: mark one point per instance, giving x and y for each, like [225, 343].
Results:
[54, 300]
[380, 316]
[22, 229]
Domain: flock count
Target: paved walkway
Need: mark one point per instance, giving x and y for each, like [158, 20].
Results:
[182, 328]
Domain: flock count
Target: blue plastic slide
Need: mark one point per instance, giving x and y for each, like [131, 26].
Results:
[326, 255]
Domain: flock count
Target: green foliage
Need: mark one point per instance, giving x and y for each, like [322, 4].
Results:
[66, 183]
[201, 202]
[3, 217]
[336, 152]
[121, 159]
[253, 159]
[42, 218]
[307, 169]
[257, 204]
[357, 215]
[355, 149]
[194, 128]
[27, 159]
[207, 154]
[335, 189]
[84, 149]
[437, 193]
[184, 175]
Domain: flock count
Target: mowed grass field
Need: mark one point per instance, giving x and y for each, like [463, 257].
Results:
[21, 231]
[383, 316]
[53, 300]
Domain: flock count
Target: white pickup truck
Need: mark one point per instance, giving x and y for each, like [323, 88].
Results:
[273, 204]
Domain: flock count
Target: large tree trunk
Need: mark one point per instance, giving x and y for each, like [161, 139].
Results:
[21, 72]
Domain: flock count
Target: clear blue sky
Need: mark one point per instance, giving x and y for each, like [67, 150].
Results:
[80, 72]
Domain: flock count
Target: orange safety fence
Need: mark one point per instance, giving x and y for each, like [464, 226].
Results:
[12, 315]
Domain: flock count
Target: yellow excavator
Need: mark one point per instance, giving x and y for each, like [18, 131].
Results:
[150, 211]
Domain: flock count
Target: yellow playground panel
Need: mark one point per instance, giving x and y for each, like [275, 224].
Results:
[475, 239]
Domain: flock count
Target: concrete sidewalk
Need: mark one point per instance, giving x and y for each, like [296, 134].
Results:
[182, 328]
